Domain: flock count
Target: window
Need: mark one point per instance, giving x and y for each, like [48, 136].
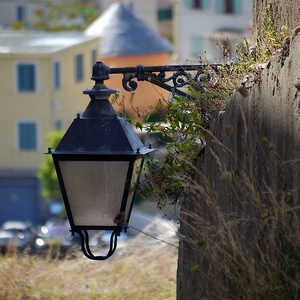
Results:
[79, 67]
[27, 136]
[56, 75]
[94, 56]
[58, 124]
[197, 45]
[21, 13]
[164, 14]
[26, 77]
[228, 6]
[197, 4]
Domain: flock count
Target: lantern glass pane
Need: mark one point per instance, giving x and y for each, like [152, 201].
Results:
[94, 190]
[134, 181]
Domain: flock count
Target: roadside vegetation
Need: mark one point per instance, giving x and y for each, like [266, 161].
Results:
[134, 272]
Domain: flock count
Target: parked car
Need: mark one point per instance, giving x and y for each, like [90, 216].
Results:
[16, 235]
[55, 238]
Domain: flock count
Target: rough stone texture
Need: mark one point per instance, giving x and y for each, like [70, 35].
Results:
[240, 141]
[283, 12]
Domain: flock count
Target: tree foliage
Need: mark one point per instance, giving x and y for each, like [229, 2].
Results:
[182, 125]
[47, 173]
[185, 125]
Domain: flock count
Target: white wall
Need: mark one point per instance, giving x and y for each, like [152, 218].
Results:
[206, 23]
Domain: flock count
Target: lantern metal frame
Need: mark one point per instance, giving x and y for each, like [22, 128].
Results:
[82, 230]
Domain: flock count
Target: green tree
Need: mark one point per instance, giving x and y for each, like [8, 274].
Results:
[50, 186]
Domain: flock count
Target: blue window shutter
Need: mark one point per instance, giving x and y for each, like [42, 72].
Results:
[27, 136]
[21, 13]
[79, 67]
[219, 6]
[21, 78]
[206, 4]
[237, 6]
[26, 77]
[197, 45]
[187, 3]
[58, 124]
[56, 73]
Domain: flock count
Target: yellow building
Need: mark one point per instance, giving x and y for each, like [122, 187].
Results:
[42, 76]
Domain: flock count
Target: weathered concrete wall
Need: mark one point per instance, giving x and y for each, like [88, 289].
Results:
[283, 12]
[253, 134]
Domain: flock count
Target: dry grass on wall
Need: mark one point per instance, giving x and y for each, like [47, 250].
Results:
[242, 226]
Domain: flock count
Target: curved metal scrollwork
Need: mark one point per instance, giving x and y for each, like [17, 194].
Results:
[85, 244]
[179, 78]
[128, 83]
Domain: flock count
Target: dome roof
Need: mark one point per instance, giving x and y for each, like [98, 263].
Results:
[123, 34]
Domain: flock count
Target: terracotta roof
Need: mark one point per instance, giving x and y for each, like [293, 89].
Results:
[123, 34]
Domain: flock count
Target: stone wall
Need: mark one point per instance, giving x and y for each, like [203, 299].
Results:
[283, 12]
[257, 138]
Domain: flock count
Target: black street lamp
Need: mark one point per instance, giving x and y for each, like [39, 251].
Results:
[99, 159]
[98, 163]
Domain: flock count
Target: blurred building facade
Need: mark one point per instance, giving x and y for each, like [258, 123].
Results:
[203, 26]
[42, 76]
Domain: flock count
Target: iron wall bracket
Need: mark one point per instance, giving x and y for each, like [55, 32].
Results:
[180, 76]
